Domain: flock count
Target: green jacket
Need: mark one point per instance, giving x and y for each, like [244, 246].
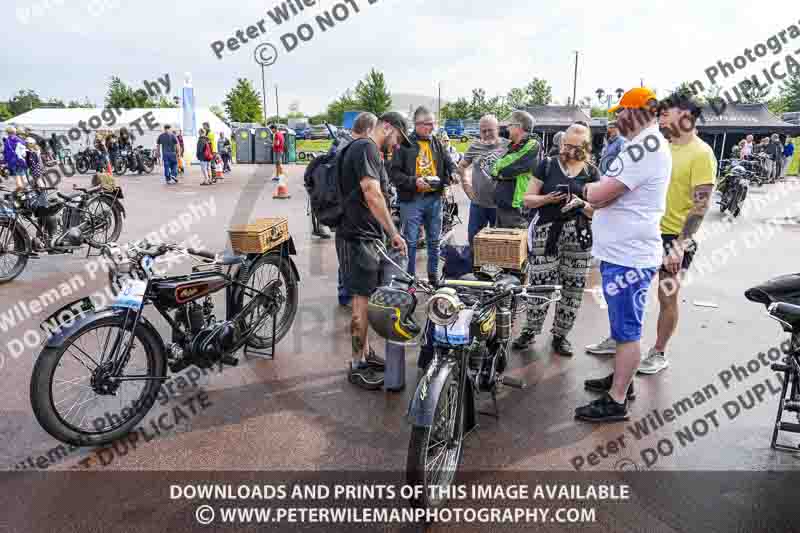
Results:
[513, 172]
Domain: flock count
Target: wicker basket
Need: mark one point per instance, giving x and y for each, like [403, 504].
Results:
[506, 248]
[259, 236]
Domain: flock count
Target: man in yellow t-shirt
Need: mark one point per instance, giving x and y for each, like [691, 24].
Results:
[694, 168]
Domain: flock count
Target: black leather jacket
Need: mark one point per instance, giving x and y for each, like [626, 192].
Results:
[403, 170]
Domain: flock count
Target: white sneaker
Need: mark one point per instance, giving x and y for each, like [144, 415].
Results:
[607, 347]
[653, 363]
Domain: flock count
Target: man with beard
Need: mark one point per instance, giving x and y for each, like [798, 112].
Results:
[513, 171]
[478, 185]
[556, 254]
[362, 182]
[627, 210]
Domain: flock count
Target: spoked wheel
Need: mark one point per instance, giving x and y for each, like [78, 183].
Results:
[14, 249]
[265, 269]
[101, 221]
[434, 453]
[148, 164]
[120, 166]
[74, 394]
[82, 164]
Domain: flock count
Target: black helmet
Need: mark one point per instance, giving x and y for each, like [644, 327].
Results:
[390, 313]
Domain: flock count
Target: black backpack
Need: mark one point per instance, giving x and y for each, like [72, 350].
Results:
[321, 180]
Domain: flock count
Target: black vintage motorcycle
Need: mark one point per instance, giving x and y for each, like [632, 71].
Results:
[89, 160]
[100, 370]
[733, 187]
[781, 296]
[33, 221]
[131, 160]
[469, 322]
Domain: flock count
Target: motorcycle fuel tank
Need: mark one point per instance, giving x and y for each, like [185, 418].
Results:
[175, 292]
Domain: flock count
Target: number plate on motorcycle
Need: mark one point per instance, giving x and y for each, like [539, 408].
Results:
[131, 294]
[457, 334]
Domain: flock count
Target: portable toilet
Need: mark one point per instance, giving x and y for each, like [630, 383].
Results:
[263, 146]
[290, 138]
[243, 140]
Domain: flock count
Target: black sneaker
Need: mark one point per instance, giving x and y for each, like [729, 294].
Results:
[364, 376]
[524, 340]
[562, 346]
[604, 409]
[375, 361]
[604, 385]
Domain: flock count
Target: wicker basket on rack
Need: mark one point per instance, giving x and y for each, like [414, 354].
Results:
[260, 236]
[504, 247]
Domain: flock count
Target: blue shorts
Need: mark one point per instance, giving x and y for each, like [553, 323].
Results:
[625, 290]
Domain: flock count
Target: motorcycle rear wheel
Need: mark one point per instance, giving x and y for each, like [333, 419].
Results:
[14, 249]
[82, 164]
[104, 218]
[421, 470]
[88, 432]
[148, 164]
[120, 167]
[265, 269]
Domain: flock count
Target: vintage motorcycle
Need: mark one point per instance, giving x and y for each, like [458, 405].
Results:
[733, 189]
[89, 160]
[34, 222]
[469, 322]
[781, 296]
[100, 370]
[130, 160]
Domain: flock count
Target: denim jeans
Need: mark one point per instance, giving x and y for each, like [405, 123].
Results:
[479, 218]
[425, 210]
[170, 165]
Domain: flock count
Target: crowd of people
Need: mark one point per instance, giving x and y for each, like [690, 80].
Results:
[777, 155]
[638, 223]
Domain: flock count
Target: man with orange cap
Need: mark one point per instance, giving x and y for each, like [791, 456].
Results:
[627, 240]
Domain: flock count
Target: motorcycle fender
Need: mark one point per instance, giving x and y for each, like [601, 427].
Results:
[423, 403]
[116, 200]
[285, 251]
[61, 333]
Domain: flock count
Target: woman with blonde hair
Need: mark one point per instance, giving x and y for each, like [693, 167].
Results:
[559, 236]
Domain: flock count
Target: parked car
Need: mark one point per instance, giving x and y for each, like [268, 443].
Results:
[472, 132]
[318, 132]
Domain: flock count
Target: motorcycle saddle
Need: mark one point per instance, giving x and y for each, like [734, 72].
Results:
[781, 289]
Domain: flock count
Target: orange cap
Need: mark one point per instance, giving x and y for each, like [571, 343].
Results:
[636, 98]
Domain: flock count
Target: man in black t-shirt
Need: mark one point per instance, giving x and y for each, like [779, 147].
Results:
[362, 182]
[169, 148]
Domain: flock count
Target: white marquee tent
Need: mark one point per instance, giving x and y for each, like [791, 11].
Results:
[46, 121]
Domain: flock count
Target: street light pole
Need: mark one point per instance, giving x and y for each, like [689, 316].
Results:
[575, 81]
[264, 95]
[277, 107]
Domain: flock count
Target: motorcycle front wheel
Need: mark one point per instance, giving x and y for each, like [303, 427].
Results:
[434, 452]
[120, 166]
[75, 398]
[148, 164]
[82, 164]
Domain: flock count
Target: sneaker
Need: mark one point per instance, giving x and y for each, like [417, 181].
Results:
[524, 340]
[604, 409]
[604, 385]
[653, 363]
[364, 376]
[562, 346]
[607, 347]
[375, 361]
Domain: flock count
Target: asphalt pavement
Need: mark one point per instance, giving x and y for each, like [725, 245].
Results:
[298, 411]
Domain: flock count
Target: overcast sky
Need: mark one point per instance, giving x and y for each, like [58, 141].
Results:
[69, 48]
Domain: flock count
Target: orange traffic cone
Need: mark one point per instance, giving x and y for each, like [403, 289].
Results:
[110, 170]
[282, 191]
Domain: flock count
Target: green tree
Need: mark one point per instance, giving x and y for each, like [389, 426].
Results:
[24, 101]
[479, 105]
[5, 112]
[318, 119]
[372, 94]
[752, 94]
[165, 102]
[460, 109]
[243, 103]
[777, 106]
[539, 92]
[517, 98]
[336, 109]
[599, 112]
[121, 96]
[76, 104]
[790, 92]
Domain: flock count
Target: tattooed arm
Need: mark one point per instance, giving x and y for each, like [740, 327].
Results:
[702, 201]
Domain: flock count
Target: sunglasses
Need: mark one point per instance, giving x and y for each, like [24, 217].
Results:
[426, 124]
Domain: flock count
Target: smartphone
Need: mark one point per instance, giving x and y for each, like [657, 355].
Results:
[564, 189]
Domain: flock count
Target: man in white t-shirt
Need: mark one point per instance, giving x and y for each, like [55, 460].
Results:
[627, 240]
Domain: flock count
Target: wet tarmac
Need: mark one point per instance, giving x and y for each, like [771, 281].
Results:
[298, 412]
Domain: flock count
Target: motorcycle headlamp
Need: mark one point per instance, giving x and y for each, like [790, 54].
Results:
[444, 306]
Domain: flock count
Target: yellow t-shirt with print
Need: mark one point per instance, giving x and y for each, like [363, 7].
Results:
[693, 164]
[425, 163]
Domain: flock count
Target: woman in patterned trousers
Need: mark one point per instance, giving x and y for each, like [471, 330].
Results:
[559, 237]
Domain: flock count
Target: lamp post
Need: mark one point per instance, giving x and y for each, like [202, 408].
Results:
[607, 96]
[266, 54]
